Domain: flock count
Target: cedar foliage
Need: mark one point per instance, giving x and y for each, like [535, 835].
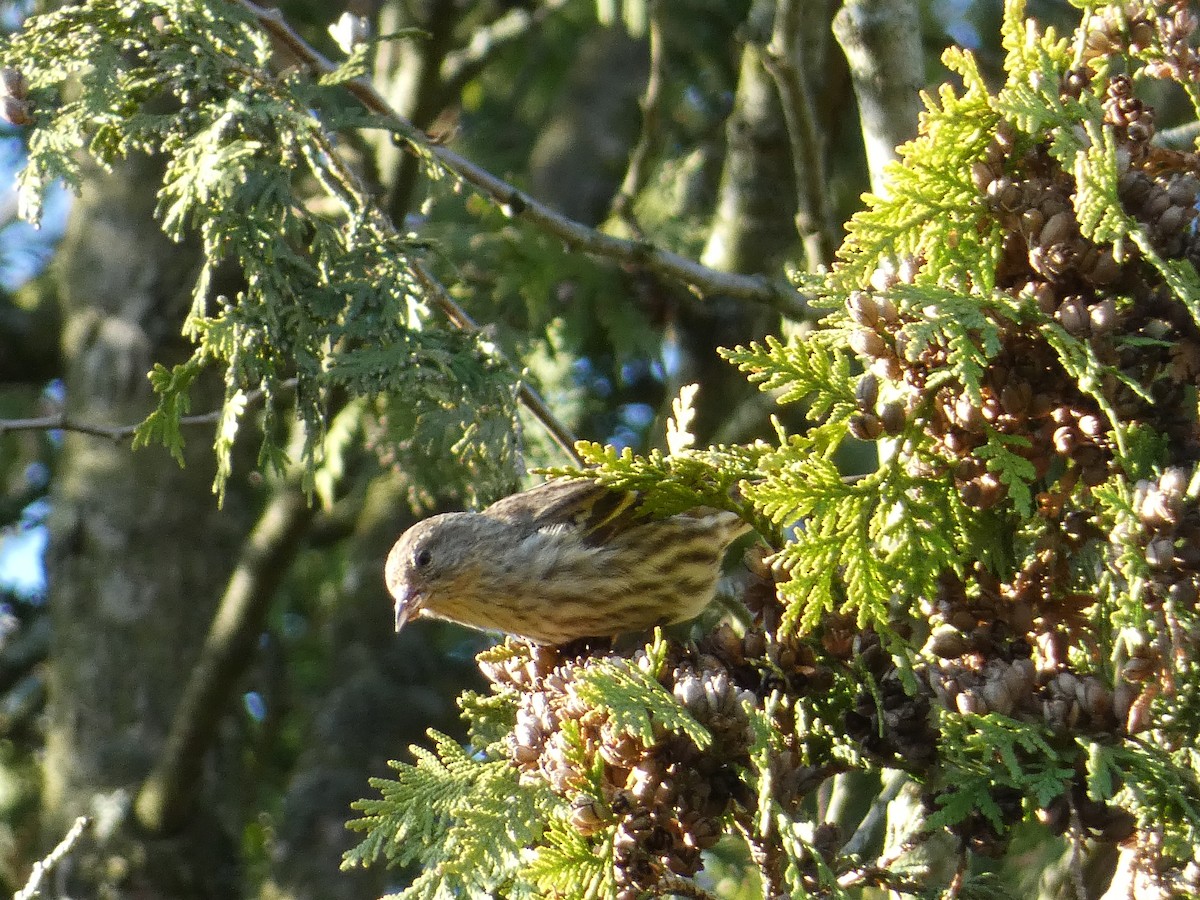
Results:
[1016, 582]
[330, 305]
[1005, 609]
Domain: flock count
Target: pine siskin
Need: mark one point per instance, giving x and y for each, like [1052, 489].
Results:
[561, 561]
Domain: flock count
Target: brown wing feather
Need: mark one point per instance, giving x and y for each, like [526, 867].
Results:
[598, 512]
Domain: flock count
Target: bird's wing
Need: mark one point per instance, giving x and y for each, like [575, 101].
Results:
[596, 511]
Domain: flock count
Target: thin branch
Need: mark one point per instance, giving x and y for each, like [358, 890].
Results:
[1075, 864]
[703, 280]
[880, 873]
[33, 887]
[773, 292]
[764, 855]
[783, 60]
[166, 797]
[875, 876]
[116, 433]
[650, 137]
[954, 890]
[873, 820]
[1182, 137]
[678, 886]
[860, 874]
[530, 398]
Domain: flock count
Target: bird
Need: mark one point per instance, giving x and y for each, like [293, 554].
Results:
[566, 560]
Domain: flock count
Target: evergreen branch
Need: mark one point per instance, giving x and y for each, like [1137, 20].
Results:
[932, 209]
[636, 703]
[1165, 787]
[567, 864]
[463, 817]
[702, 279]
[982, 752]
[345, 182]
[800, 369]
[1015, 471]
[459, 317]
[415, 811]
[967, 326]
[669, 484]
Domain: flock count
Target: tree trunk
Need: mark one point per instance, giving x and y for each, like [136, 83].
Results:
[138, 556]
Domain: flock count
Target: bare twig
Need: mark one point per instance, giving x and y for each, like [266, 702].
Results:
[703, 280]
[773, 292]
[651, 135]
[33, 887]
[784, 61]
[62, 422]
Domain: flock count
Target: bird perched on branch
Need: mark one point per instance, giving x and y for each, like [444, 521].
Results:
[565, 560]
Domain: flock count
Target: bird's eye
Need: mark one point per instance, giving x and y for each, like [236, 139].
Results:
[422, 558]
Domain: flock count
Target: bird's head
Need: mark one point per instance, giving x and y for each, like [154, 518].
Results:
[432, 562]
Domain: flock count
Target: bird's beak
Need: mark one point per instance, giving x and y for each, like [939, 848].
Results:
[408, 606]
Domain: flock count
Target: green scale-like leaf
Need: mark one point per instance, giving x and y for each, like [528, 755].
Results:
[979, 753]
[636, 703]
[465, 820]
[933, 210]
[569, 865]
[798, 370]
